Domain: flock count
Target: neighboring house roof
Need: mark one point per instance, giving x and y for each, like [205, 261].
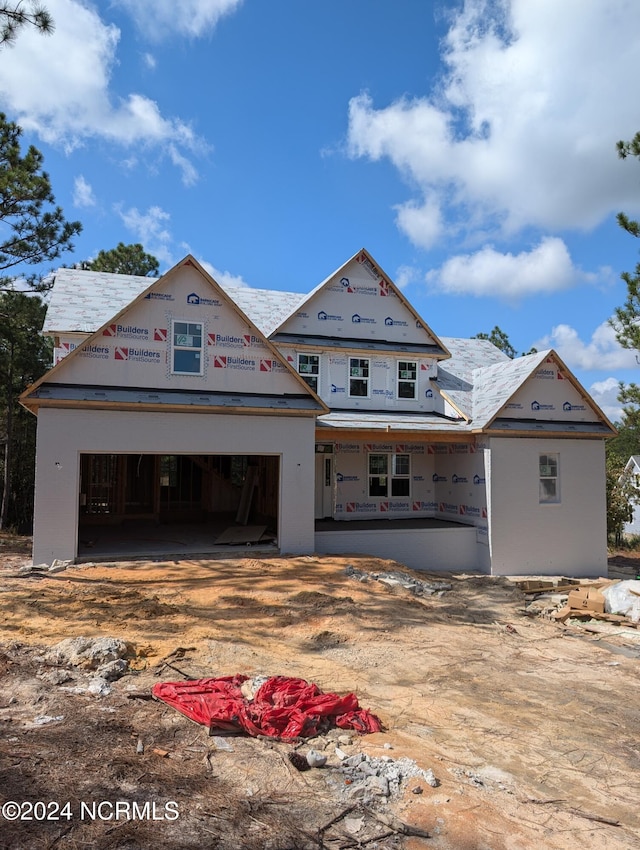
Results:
[634, 460]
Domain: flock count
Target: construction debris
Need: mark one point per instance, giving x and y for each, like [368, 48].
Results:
[396, 578]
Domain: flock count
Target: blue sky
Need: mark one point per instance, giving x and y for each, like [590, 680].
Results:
[469, 146]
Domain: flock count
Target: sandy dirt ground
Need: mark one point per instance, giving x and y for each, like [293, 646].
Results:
[530, 727]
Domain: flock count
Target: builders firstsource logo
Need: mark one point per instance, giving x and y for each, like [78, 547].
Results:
[126, 332]
[225, 362]
[140, 355]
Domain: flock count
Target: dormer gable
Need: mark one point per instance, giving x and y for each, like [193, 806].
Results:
[537, 393]
[359, 304]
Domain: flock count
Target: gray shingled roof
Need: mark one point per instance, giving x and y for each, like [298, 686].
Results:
[494, 385]
[83, 301]
[478, 378]
[390, 422]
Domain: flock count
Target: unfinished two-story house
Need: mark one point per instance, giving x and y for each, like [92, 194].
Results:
[181, 416]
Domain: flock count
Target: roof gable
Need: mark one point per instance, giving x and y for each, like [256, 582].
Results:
[359, 302]
[133, 349]
[537, 388]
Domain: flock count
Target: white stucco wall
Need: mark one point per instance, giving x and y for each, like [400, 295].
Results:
[526, 537]
[433, 549]
[65, 434]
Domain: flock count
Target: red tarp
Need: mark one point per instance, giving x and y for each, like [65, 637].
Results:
[281, 708]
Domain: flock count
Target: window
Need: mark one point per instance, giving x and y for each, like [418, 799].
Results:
[549, 480]
[186, 348]
[358, 377]
[407, 374]
[379, 467]
[309, 369]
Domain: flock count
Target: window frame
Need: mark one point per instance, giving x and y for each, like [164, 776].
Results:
[410, 366]
[188, 348]
[364, 378]
[549, 472]
[313, 376]
[389, 471]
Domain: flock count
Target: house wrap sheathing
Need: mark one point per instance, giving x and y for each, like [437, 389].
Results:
[332, 422]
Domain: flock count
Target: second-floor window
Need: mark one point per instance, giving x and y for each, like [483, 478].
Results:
[186, 348]
[358, 377]
[309, 369]
[407, 376]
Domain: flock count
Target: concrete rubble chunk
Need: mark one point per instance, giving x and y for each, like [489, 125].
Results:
[88, 653]
[316, 759]
[418, 587]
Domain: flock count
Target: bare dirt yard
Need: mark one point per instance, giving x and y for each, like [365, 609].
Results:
[529, 727]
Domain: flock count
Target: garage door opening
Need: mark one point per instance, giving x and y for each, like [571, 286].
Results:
[139, 504]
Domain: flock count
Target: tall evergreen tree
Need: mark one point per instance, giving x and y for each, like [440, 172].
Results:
[14, 16]
[125, 259]
[626, 322]
[24, 356]
[501, 340]
[34, 229]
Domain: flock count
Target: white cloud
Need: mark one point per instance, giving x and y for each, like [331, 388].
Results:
[224, 278]
[59, 88]
[405, 275]
[603, 351]
[545, 269]
[151, 229]
[83, 193]
[605, 395]
[521, 130]
[150, 61]
[157, 19]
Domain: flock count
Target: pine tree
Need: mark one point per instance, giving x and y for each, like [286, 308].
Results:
[24, 356]
[14, 16]
[35, 229]
[125, 259]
